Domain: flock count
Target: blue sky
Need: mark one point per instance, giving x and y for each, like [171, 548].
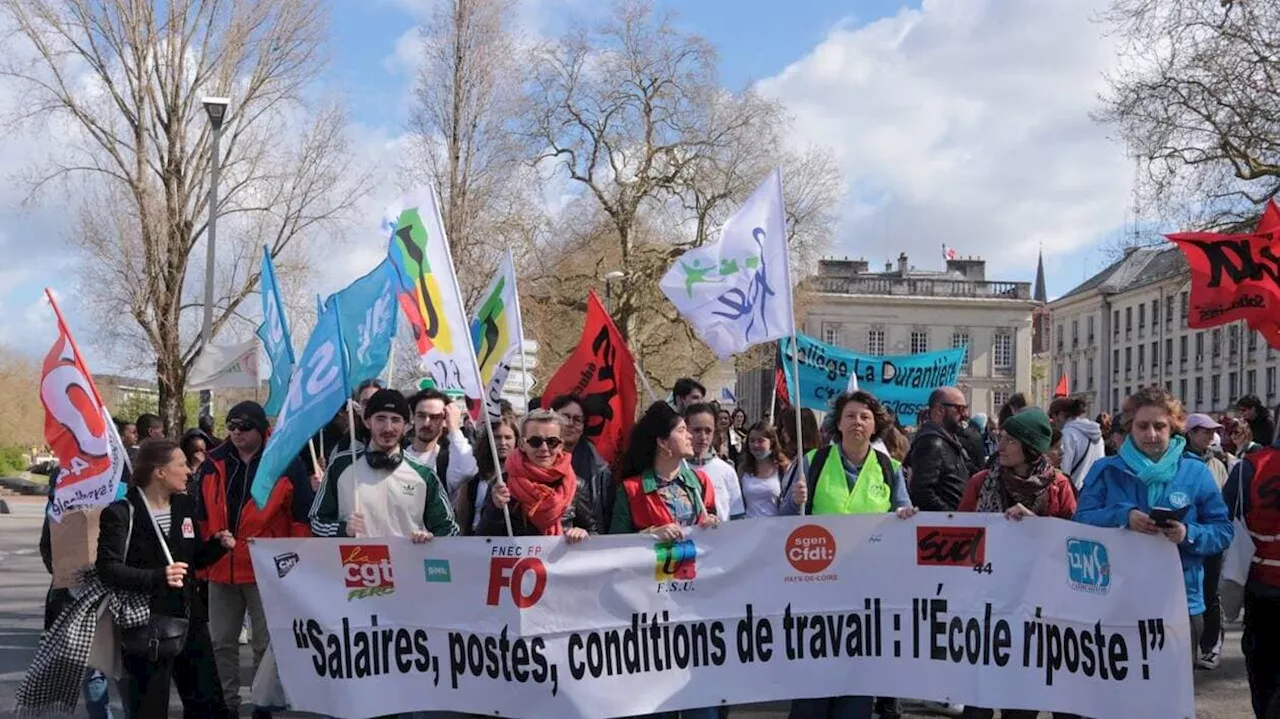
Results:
[964, 122]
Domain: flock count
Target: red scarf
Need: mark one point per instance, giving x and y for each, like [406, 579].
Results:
[544, 493]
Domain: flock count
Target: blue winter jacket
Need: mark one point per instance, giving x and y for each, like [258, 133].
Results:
[1111, 491]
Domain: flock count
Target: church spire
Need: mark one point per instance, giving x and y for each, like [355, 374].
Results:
[1040, 294]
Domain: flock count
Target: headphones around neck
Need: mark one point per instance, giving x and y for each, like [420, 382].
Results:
[383, 460]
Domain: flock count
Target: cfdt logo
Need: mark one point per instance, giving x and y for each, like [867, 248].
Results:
[519, 571]
[366, 569]
[676, 565]
[810, 550]
[1088, 566]
[951, 546]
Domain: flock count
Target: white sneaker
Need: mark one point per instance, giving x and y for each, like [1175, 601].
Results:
[244, 635]
[943, 708]
[1209, 660]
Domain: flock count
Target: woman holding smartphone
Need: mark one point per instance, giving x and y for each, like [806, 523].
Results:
[1154, 486]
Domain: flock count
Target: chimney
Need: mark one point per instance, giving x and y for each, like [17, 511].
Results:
[902, 264]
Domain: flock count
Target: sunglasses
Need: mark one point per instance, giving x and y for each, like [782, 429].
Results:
[536, 442]
[238, 426]
[956, 407]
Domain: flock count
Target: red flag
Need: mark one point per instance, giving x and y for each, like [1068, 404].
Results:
[602, 372]
[1233, 277]
[78, 427]
[781, 397]
[1061, 390]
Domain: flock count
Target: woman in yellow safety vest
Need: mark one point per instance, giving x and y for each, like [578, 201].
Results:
[849, 476]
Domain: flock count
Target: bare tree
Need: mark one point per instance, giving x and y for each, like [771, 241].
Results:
[1197, 98]
[465, 133]
[125, 80]
[21, 414]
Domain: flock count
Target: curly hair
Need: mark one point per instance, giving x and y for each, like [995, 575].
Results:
[1154, 396]
[883, 420]
[655, 424]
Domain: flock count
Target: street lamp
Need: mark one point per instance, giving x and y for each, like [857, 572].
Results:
[608, 287]
[216, 107]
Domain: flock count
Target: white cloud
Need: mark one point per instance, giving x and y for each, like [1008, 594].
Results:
[965, 122]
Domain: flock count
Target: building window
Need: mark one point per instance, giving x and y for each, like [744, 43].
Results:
[1168, 386]
[875, 342]
[1271, 382]
[1199, 385]
[1059, 329]
[998, 398]
[1168, 353]
[960, 340]
[1155, 312]
[1233, 388]
[919, 341]
[1128, 320]
[1115, 363]
[1155, 355]
[1075, 376]
[1168, 310]
[1090, 329]
[1182, 350]
[1089, 373]
[1215, 389]
[1128, 361]
[1128, 390]
[830, 335]
[1182, 390]
[1251, 382]
[1075, 334]
[1183, 301]
[1141, 355]
[1253, 341]
[1115, 325]
[1199, 349]
[1233, 340]
[1002, 350]
[1217, 343]
[1115, 400]
[1142, 317]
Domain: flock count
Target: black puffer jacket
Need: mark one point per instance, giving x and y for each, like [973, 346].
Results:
[939, 470]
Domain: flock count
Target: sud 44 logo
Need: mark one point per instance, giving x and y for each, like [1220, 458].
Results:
[366, 569]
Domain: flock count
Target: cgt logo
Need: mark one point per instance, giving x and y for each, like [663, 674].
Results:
[1088, 566]
[366, 568]
[811, 549]
[676, 565]
[951, 546]
[285, 563]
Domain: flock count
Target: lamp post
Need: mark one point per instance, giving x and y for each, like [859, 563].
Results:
[216, 107]
[608, 287]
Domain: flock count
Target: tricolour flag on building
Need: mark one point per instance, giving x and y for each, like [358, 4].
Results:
[274, 333]
[496, 331]
[368, 308]
[317, 390]
[736, 292]
[78, 426]
[428, 291]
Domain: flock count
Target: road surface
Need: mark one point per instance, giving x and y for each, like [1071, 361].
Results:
[1220, 694]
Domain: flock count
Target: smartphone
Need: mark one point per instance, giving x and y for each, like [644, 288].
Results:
[1163, 516]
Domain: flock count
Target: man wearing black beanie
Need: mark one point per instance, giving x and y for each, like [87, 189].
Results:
[378, 490]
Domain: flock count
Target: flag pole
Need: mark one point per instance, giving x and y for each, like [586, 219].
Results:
[795, 358]
[524, 367]
[475, 366]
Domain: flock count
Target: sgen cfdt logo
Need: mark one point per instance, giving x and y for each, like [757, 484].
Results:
[520, 572]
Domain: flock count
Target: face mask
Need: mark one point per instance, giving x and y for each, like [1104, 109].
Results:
[762, 453]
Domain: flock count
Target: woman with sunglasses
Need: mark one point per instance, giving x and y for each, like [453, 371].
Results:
[542, 492]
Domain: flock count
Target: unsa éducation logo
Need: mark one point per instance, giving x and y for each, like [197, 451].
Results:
[1088, 566]
[366, 569]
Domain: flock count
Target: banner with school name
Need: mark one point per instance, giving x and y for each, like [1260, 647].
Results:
[975, 609]
[902, 382]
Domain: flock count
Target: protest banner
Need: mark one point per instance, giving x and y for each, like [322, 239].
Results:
[973, 608]
[602, 372]
[902, 382]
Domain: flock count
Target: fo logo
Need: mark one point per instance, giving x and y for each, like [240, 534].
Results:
[676, 561]
[366, 568]
[1088, 567]
[524, 577]
[811, 549]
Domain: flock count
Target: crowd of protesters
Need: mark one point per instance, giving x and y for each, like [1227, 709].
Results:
[180, 535]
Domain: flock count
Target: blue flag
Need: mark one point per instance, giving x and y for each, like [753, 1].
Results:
[274, 333]
[368, 322]
[902, 383]
[317, 390]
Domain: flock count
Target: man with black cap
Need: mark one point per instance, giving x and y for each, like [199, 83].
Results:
[226, 504]
[379, 491]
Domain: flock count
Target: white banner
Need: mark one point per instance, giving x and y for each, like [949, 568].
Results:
[225, 367]
[1040, 614]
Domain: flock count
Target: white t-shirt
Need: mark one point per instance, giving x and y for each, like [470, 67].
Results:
[724, 480]
[760, 494]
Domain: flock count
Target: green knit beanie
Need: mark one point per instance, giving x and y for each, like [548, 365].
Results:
[1030, 427]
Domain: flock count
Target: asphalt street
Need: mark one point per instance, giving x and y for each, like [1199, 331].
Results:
[1220, 694]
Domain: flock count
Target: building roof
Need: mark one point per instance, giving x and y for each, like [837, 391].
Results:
[1140, 266]
[1040, 295]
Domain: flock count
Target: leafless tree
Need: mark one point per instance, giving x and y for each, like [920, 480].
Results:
[1197, 98]
[124, 80]
[465, 139]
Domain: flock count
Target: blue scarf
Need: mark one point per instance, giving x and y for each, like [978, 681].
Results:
[1156, 475]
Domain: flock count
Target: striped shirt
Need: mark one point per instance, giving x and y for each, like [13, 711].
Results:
[163, 519]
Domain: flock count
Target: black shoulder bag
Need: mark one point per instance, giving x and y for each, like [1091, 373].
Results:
[162, 637]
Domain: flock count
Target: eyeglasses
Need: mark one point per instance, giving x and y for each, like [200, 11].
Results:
[536, 442]
[238, 426]
[573, 418]
[955, 406]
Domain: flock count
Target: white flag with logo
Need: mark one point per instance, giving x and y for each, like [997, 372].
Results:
[496, 331]
[227, 367]
[736, 292]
